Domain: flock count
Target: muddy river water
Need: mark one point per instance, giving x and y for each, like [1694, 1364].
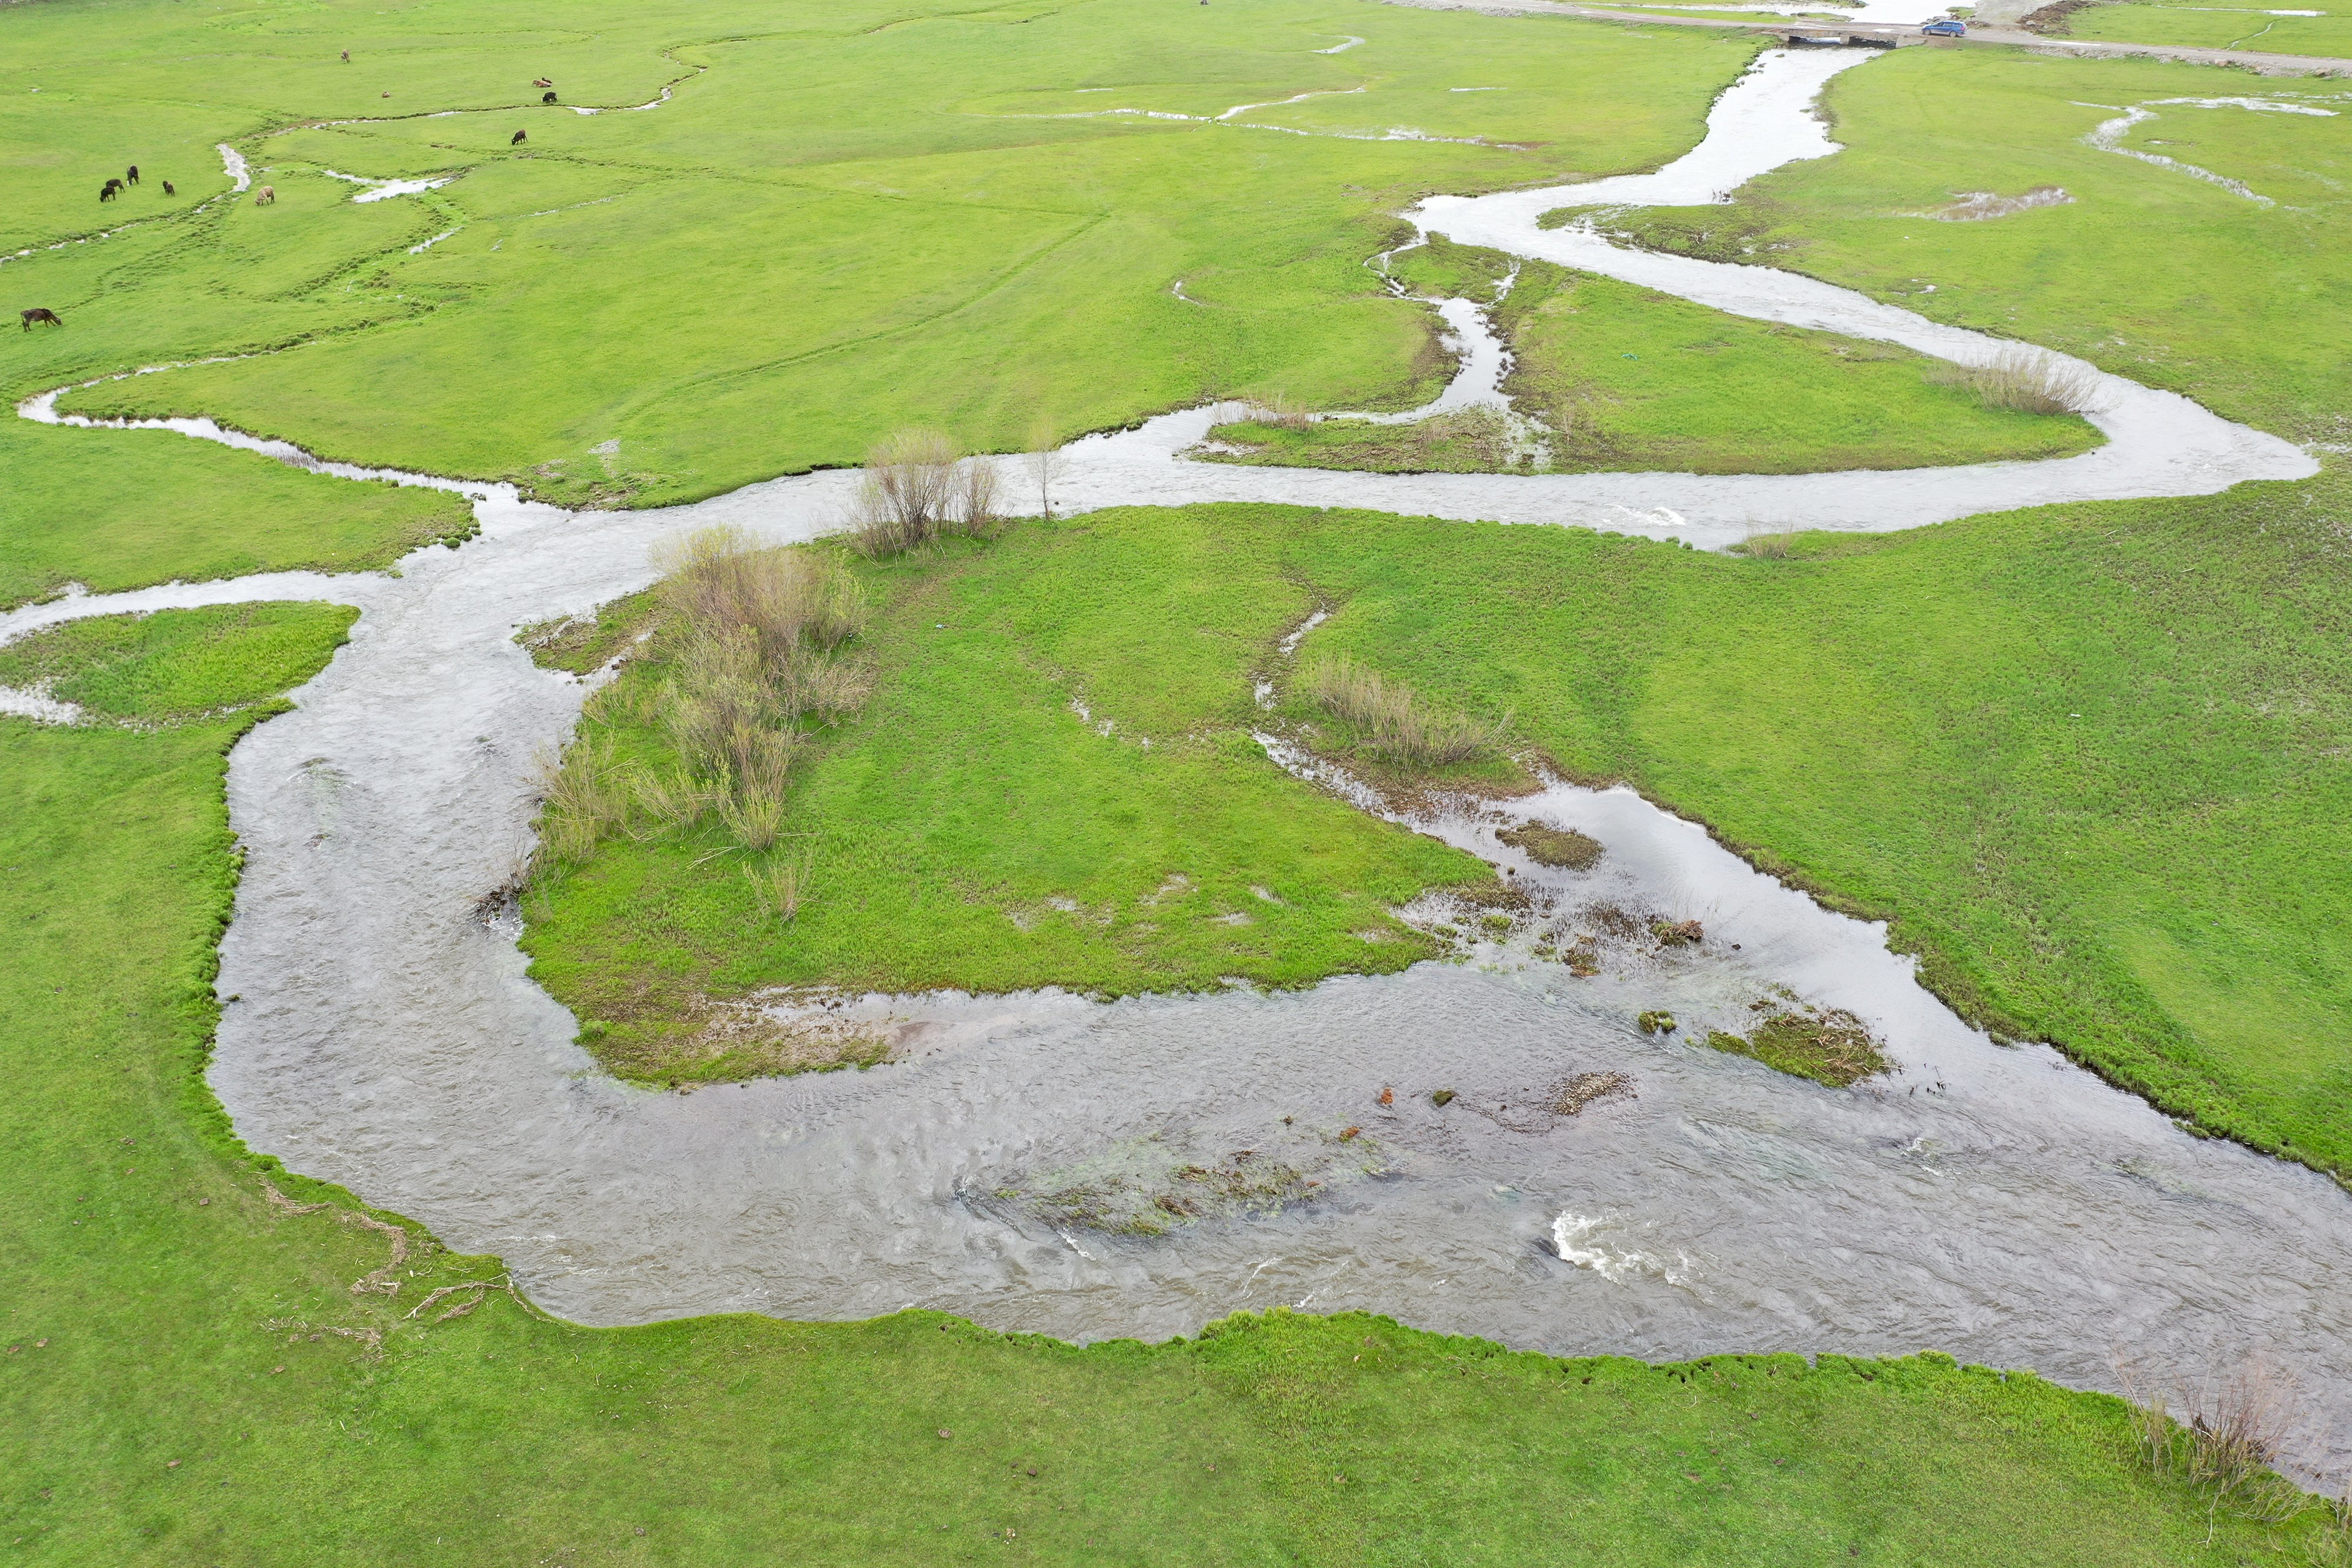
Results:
[1986, 1200]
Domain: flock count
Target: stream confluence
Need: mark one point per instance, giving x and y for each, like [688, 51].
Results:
[1991, 1201]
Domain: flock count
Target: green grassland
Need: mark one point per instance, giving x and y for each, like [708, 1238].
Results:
[2149, 272]
[2240, 26]
[2088, 760]
[1625, 377]
[189, 1376]
[781, 261]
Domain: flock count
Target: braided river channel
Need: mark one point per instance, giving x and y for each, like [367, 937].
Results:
[1989, 1200]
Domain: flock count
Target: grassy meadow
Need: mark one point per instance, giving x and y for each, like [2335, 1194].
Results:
[781, 261]
[2086, 758]
[2149, 272]
[1620, 377]
[2087, 761]
[2242, 26]
[188, 1375]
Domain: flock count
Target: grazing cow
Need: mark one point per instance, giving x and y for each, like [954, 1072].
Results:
[106, 192]
[167, 189]
[131, 174]
[266, 196]
[518, 140]
[42, 314]
[547, 98]
[347, 57]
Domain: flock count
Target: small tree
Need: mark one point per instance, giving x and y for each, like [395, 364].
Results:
[1045, 460]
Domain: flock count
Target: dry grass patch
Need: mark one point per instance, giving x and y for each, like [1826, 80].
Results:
[1389, 723]
[2028, 381]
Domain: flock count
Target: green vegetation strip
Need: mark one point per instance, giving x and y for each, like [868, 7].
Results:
[188, 1375]
[1617, 377]
[2147, 271]
[2087, 759]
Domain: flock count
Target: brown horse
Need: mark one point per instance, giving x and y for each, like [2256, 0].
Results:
[265, 196]
[131, 174]
[41, 314]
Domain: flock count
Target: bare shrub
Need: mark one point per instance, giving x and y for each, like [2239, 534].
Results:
[908, 491]
[973, 510]
[1390, 722]
[2029, 381]
[1045, 462]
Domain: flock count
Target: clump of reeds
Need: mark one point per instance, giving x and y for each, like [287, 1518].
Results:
[778, 888]
[2233, 1434]
[918, 486]
[2029, 380]
[753, 636]
[1282, 410]
[1769, 546]
[1390, 722]
[585, 794]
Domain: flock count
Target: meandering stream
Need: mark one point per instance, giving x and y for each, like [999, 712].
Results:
[1994, 1202]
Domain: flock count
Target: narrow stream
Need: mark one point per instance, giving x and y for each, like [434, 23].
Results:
[1995, 1203]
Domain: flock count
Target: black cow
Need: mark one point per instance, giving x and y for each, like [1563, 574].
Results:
[167, 189]
[518, 140]
[131, 174]
[41, 314]
[547, 98]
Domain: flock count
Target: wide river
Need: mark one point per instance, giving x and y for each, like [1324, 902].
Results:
[1989, 1201]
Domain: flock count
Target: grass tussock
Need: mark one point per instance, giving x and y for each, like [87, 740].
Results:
[2232, 1434]
[918, 487]
[1282, 410]
[2028, 381]
[1562, 847]
[1394, 725]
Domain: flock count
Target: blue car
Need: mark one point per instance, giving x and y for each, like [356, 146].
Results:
[1946, 27]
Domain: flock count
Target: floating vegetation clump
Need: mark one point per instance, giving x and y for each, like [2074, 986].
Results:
[1827, 1045]
[1148, 1187]
[1540, 1109]
[1564, 848]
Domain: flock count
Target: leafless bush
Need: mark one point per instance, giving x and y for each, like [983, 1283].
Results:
[973, 510]
[2029, 380]
[1390, 722]
[918, 487]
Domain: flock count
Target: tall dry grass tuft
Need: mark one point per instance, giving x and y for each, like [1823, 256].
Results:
[918, 487]
[584, 795]
[1769, 546]
[1282, 410]
[2235, 1430]
[779, 889]
[1390, 722]
[2029, 381]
